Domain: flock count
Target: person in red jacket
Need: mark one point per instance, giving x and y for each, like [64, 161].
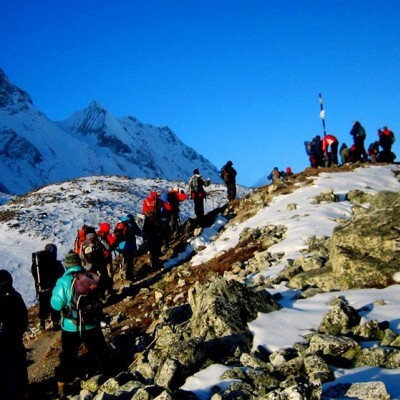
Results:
[108, 242]
[152, 227]
[386, 139]
[330, 146]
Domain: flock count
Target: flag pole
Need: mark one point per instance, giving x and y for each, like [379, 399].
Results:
[322, 113]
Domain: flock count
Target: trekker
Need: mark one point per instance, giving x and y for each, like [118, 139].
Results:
[175, 197]
[288, 171]
[46, 269]
[359, 135]
[198, 194]
[275, 175]
[125, 233]
[152, 227]
[386, 139]
[75, 329]
[344, 154]
[13, 324]
[228, 174]
[330, 142]
[314, 151]
[108, 244]
[373, 151]
[93, 259]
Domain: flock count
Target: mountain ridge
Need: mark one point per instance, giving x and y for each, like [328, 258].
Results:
[36, 151]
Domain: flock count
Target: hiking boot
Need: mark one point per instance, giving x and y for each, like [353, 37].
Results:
[56, 326]
[61, 386]
[42, 325]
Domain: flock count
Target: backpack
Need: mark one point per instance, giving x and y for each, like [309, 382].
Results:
[194, 184]
[150, 207]
[121, 231]
[85, 305]
[43, 270]
[81, 236]
[224, 174]
[309, 149]
[91, 250]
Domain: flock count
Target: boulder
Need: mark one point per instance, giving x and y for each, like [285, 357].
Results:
[221, 312]
[364, 251]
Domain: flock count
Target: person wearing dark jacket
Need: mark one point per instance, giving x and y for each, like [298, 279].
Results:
[13, 324]
[228, 174]
[152, 227]
[46, 269]
[359, 135]
[198, 194]
[175, 197]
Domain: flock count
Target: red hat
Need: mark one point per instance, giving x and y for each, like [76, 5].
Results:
[104, 227]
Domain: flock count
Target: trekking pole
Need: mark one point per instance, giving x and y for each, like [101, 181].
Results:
[38, 273]
[322, 113]
[159, 334]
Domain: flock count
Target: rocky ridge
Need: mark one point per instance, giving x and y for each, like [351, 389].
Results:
[172, 323]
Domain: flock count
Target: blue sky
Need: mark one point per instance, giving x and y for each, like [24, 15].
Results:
[233, 79]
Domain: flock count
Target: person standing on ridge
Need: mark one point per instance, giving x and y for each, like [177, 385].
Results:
[359, 135]
[198, 194]
[13, 323]
[46, 269]
[74, 331]
[228, 174]
[386, 139]
[175, 197]
[152, 227]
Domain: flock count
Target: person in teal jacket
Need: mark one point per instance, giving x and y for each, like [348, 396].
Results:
[73, 334]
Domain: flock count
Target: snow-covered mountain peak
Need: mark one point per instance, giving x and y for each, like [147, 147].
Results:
[35, 151]
[12, 98]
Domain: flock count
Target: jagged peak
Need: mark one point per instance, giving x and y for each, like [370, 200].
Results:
[11, 96]
[96, 106]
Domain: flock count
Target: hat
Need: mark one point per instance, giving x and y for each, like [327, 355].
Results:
[72, 259]
[50, 247]
[104, 227]
[229, 163]
[196, 171]
[5, 278]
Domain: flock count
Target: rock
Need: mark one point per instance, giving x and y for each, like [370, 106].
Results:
[167, 374]
[317, 369]
[379, 357]
[389, 338]
[364, 251]
[222, 310]
[368, 391]
[340, 320]
[333, 346]
[370, 330]
[360, 390]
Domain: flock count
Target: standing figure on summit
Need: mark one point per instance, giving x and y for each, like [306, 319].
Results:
[359, 135]
[228, 174]
[198, 194]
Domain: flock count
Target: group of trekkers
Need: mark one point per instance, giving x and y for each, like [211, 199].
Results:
[323, 152]
[73, 292]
